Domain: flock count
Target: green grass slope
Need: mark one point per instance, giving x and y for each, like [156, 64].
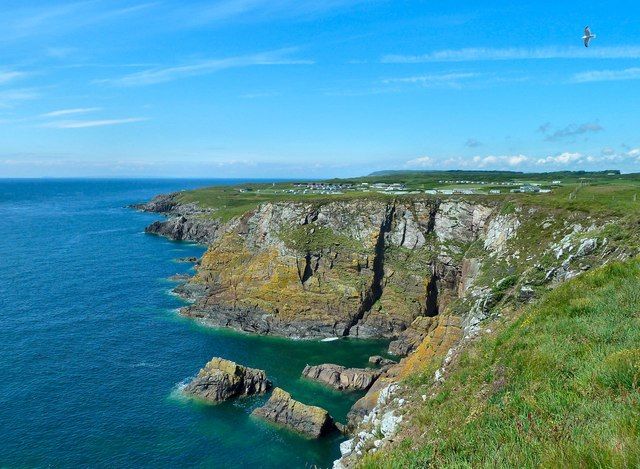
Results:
[557, 387]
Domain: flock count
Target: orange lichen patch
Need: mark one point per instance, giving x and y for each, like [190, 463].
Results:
[435, 346]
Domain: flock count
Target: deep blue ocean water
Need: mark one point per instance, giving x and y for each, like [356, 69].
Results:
[93, 353]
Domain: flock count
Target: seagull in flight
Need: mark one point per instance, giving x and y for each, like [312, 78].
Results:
[587, 36]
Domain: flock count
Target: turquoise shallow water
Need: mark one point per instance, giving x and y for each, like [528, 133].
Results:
[93, 352]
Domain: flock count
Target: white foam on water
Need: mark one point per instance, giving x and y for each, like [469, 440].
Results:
[330, 339]
[145, 365]
[177, 393]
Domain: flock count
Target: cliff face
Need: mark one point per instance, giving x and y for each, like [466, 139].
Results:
[363, 268]
[425, 272]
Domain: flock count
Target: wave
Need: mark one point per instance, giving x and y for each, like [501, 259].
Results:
[177, 393]
[145, 365]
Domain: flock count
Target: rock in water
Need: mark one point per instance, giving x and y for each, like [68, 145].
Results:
[341, 378]
[187, 260]
[381, 361]
[222, 379]
[309, 420]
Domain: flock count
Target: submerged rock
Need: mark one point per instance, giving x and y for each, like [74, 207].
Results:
[222, 379]
[341, 378]
[283, 410]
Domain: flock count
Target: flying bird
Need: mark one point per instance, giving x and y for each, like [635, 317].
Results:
[587, 36]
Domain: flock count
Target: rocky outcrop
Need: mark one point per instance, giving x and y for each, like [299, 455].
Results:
[163, 203]
[185, 222]
[309, 420]
[179, 277]
[367, 403]
[191, 291]
[445, 333]
[460, 220]
[182, 228]
[381, 361]
[222, 379]
[500, 230]
[380, 422]
[187, 260]
[412, 337]
[341, 378]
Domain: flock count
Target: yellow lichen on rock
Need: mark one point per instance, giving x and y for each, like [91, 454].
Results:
[435, 345]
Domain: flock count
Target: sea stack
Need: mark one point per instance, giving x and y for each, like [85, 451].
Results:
[341, 378]
[309, 420]
[222, 379]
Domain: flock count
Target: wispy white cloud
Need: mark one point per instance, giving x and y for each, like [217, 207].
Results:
[607, 75]
[10, 75]
[260, 10]
[453, 80]
[478, 54]
[202, 67]
[68, 112]
[61, 18]
[11, 97]
[82, 124]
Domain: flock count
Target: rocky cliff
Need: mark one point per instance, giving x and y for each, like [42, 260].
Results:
[363, 268]
[426, 273]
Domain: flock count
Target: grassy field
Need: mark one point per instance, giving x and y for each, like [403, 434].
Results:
[557, 387]
[232, 201]
[598, 193]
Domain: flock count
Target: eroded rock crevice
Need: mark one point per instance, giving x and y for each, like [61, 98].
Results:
[432, 308]
[307, 272]
[374, 293]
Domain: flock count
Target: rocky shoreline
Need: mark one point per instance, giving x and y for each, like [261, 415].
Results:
[423, 272]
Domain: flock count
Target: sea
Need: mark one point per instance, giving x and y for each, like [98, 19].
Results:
[94, 353]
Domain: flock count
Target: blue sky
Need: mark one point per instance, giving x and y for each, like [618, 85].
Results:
[297, 88]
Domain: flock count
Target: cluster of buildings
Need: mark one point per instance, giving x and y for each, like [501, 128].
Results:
[530, 189]
[320, 188]
[450, 191]
[340, 188]
[396, 188]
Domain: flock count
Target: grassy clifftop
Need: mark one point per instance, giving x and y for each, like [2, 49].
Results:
[557, 387]
[597, 193]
